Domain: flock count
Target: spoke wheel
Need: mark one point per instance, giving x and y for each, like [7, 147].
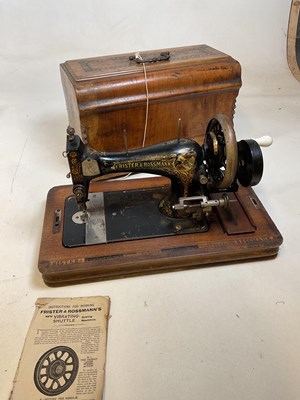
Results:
[221, 153]
[56, 370]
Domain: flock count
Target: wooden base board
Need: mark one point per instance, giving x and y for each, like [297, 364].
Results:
[61, 266]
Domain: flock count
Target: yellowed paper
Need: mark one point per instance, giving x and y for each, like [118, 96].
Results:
[64, 353]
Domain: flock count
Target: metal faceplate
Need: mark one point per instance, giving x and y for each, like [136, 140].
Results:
[95, 229]
[122, 215]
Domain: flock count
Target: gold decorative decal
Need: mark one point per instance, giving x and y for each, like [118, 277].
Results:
[75, 167]
[185, 165]
[181, 166]
[144, 164]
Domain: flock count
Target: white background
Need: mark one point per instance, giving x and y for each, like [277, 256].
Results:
[229, 332]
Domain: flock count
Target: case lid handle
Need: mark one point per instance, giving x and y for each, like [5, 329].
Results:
[164, 56]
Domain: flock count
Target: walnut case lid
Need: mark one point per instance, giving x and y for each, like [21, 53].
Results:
[98, 91]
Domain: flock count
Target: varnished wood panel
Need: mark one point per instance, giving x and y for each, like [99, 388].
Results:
[105, 95]
[59, 265]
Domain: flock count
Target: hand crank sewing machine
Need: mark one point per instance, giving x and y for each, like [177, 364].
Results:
[198, 207]
[194, 171]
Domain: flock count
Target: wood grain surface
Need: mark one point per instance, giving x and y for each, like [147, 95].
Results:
[60, 266]
[107, 95]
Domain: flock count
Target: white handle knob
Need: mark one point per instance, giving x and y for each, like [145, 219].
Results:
[264, 141]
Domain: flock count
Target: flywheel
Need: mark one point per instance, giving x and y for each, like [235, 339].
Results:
[56, 370]
[221, 154]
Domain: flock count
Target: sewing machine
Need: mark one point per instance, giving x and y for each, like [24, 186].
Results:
[217, 167]
[198, 208]
[194, 207]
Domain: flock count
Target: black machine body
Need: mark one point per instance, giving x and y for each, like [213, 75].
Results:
[219, 165]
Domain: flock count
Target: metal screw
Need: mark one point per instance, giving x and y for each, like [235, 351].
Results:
[78, 193]
[203, 179]
[178, 228]
[70, 133]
